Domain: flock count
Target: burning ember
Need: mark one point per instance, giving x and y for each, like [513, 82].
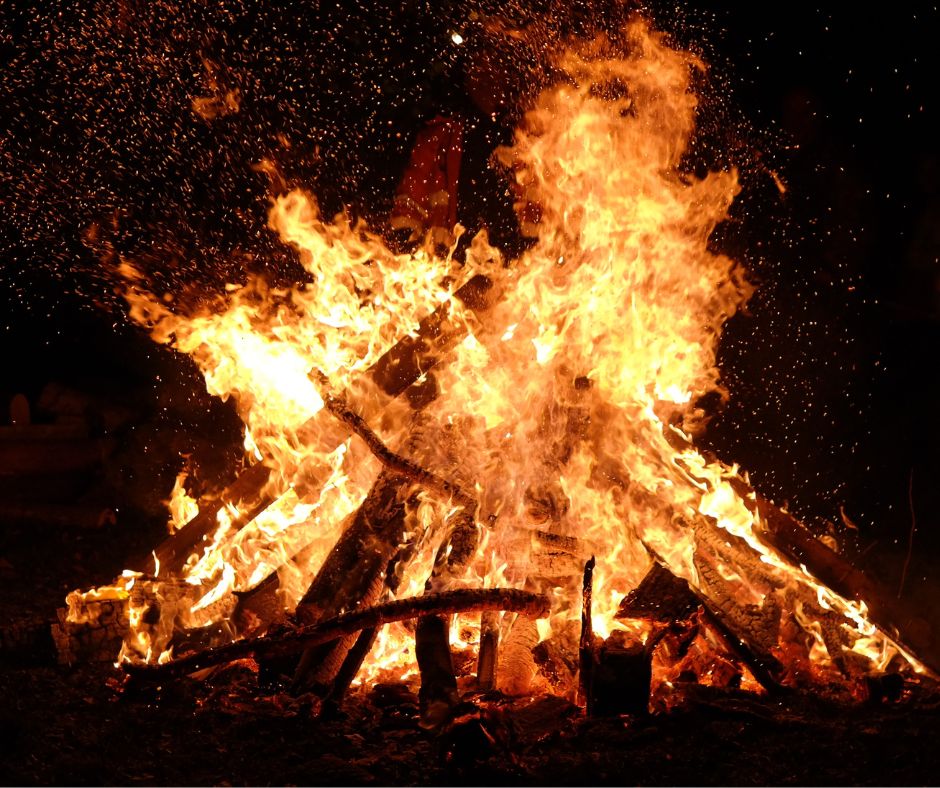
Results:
[453, 426]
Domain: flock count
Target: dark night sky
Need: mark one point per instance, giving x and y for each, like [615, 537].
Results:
[833, 374]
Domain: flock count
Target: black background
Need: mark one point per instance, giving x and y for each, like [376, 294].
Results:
[832, 373]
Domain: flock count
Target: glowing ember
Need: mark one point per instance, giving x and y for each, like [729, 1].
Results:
[567, 412]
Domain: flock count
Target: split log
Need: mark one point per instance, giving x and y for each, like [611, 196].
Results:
[788, 535]
[400, 367]
[438, 695]
[353, 573]
[661, 597]
[363, 645]
[461, 600]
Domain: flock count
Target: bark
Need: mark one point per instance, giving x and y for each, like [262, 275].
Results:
[461, 600]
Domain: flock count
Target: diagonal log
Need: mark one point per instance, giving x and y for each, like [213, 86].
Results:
[399, 368]
[461, 600]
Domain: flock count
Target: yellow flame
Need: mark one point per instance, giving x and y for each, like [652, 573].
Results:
[561, 410]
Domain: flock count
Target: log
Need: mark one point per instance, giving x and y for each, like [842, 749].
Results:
[788, 535]
[363, 645]
[400, 367]
[438, 695]
[352, 575]
[661, 597]
[488, 655]
[586, 643]
[461, 600]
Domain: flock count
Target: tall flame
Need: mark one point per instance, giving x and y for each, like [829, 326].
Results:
[568, 411]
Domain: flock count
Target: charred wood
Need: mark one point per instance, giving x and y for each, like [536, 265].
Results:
[293, 642]
[586, 643]
[438, 694]
[660, 596]
[488, 655]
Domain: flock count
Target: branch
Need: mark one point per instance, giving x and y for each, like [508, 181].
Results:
[462, 600]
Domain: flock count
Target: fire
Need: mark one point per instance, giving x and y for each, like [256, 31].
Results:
[567, 413]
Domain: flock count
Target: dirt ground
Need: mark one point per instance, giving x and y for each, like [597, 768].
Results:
[82, 726]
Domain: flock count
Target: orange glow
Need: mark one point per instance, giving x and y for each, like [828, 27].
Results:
[561, 411]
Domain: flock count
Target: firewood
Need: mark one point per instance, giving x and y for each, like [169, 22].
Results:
[789, 536]
[400, 367]
[488, 655]
[756, 655]
[363, 645]
[351, 576]
[438, 694]
[660, 597]
[461, 600]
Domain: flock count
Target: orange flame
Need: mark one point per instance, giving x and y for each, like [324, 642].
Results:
[562, 412]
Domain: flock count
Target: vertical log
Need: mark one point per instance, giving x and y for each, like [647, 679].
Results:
[586, 646]
[488, 656]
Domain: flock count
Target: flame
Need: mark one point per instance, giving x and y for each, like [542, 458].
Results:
[567, 411]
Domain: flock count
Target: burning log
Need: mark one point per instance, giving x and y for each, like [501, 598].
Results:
[352, 575]
[488, 655]
[461, 600]
[660, 597]
[438, 694]
[790, 537]
[586, 644]
[392, 374]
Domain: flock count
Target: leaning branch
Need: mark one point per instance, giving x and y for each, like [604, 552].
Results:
[338, 407]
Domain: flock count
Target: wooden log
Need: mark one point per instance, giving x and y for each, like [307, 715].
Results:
[488, 655]
[586, 643]
[400, 367]
[352, 575]
[788, 535]
[461, 600]
[660, 597]
[363, 645]
[438, 695]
